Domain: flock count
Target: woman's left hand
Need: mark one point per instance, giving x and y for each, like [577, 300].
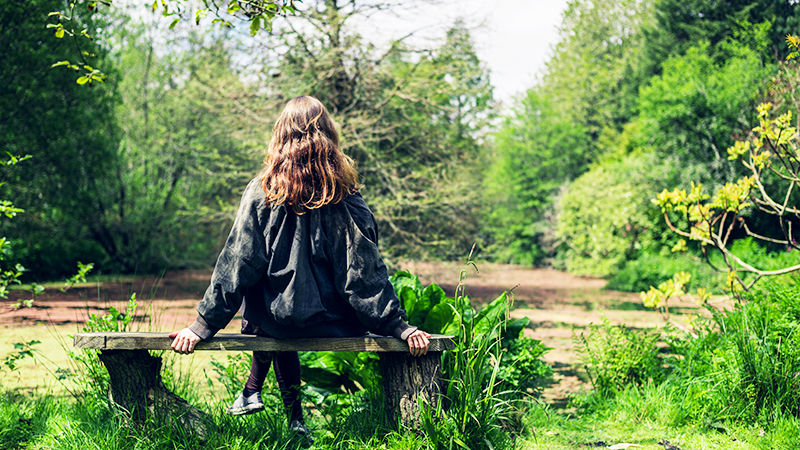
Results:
[185, 341]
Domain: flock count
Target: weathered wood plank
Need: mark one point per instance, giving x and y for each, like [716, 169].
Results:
[240, 342]
[90, 340]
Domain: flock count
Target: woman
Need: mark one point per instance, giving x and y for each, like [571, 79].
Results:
[303, 257]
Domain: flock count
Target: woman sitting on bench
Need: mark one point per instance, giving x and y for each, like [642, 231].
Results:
[303, 257]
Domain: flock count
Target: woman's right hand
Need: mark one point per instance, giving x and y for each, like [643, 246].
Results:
[418, 342]
[185, 341]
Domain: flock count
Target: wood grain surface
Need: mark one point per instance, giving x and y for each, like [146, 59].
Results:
[237, 342]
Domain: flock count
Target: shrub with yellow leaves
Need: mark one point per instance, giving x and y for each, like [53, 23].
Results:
[771, 152]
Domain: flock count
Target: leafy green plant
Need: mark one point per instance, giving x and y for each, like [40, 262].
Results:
[659, 297]
[115, 320]
[521, 366]
[332, 377]
[79, 276]
[89, 373]
[478, 407]
[615, 356]
[232, 371]
[429, 308]
[21, 351]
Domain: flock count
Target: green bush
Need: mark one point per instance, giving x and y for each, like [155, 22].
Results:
[691, 112]
[606, 217]
[616, 356]
[763, 257]
[651, 269]
[537, 150]
[521, 366]
[739, 367]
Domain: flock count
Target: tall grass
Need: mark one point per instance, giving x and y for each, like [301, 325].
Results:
[44, 421]
[742, 366]
[474, 412]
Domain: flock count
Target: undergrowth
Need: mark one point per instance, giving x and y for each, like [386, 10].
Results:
[736, 371]
[490, 381]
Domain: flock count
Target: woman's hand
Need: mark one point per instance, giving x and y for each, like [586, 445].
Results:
[185, 340]
[418, 342]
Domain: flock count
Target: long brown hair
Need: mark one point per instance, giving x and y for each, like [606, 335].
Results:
[304, 167]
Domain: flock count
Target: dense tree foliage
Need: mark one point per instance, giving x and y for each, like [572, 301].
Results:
[692, 111]
[69, 131]
[179, 164]
[142, 172]
[537, 150]
[636, 97]
[410, 117]
[678, 25]
[563, 124]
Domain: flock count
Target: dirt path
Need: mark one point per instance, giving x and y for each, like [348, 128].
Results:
[558, 304]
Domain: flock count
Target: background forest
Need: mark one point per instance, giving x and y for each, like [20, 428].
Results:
[141, 173]
[645, 155]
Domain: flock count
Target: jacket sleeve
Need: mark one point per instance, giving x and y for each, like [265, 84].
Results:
[240, 264]
[361, 277]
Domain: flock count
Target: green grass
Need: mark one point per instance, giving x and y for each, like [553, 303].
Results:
[646, 417]
[44, 421]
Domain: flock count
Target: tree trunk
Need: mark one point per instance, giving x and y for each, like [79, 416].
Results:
[407, 380]
[135, 385]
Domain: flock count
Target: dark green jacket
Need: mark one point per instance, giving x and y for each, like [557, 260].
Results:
[317, 274]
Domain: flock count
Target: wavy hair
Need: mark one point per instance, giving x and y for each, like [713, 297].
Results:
[304, 167]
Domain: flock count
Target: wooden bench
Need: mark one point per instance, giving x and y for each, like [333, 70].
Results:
[135, 376]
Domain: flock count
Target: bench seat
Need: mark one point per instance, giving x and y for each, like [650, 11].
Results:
[243, 342]
[135, 382]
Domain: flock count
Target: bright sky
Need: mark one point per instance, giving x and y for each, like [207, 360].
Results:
[517, 40]
[513, 37]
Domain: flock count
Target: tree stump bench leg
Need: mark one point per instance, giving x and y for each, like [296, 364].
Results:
[407, 380]
[135, 385]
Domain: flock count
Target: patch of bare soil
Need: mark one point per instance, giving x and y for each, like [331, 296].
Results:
[163, 301]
